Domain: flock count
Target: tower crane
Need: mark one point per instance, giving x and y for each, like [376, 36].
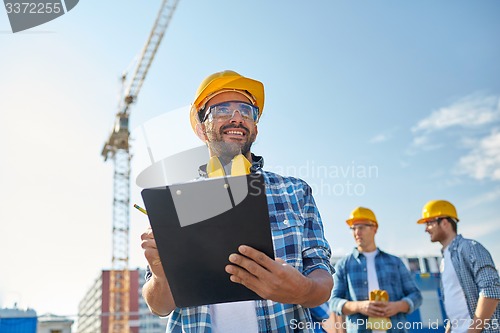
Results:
[117, 148]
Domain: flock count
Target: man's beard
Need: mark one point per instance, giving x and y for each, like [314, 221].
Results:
[226, 151]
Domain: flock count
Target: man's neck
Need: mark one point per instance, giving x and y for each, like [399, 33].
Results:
[369, 248]
[448, 239]
[227, 159]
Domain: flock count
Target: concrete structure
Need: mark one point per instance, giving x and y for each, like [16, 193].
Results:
[93, 310]
[50, 323]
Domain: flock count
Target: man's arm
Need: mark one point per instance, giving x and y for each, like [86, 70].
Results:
[156, 291]
[412, 297]
[487, 279]
[484, 310]
[277, 281]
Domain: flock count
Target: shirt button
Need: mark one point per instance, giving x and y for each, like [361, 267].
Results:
[364, 269]
[285, 222]
[366, 282]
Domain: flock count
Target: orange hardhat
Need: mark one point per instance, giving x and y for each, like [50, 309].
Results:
[438, 208]
[226, 81]
[361, 214]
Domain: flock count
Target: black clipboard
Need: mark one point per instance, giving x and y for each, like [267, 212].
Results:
[197, 225]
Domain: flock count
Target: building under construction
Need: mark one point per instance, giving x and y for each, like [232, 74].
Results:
[94, 309]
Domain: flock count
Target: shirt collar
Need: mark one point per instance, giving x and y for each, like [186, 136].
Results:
[453, 245]
[356, 252]
[257, 164]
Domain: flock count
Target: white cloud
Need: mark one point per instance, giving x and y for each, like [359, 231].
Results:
[379, 138]
[484, 198]
[471, 111]
[477, 231]
[483, 161]
[384, 136]
[473, 114]
[423, 142]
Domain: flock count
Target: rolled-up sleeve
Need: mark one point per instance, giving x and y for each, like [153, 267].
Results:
[339, 292]
[486, 275]
[412, 294]
[316, 252]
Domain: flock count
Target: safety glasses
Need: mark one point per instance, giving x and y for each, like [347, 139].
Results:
[361, 227]
[434, 221]
[225, 111]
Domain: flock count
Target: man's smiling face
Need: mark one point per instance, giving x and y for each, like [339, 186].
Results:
[230, 137]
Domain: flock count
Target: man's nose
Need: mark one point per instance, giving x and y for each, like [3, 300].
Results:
[237, 117]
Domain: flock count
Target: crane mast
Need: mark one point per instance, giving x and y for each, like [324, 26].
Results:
[117, 148]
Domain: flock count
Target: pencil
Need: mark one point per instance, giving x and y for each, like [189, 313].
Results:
[140, 209]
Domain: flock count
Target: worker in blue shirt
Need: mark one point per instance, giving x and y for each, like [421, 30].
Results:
[470, 281]
[224, 114]
[367, 269]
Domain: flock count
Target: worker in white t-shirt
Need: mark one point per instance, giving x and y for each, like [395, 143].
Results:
[470, 281]
[366, 269]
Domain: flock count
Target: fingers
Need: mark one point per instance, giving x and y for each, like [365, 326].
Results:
[259, 257]
[375, 309]
[281, 261]
[148, 240]
[390, 309]
[150, 250]
[378, 305]
[248, 266]
[151, 253]
[148, 234]
[241, 276]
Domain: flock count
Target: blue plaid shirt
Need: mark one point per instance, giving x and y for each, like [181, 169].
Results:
[351, 284]
[319, 314]
[477, 275]
[298, 238]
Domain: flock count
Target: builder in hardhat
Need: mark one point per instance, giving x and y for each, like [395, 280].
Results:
[225, 113]
[213, 118]
[471, 284]
[367, 269]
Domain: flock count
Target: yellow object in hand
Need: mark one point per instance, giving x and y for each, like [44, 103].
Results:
[379, 323]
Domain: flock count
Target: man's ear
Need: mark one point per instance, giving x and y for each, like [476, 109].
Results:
[201, 133]
[256, 130]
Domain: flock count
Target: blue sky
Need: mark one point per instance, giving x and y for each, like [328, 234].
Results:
[406, 94]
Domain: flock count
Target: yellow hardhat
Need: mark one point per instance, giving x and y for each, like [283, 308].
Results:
[438, 208]
[226, 80]
[361, 214]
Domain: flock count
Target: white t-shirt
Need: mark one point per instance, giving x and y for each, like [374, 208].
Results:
[238, 317]
[371, 270]
[455, 303]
